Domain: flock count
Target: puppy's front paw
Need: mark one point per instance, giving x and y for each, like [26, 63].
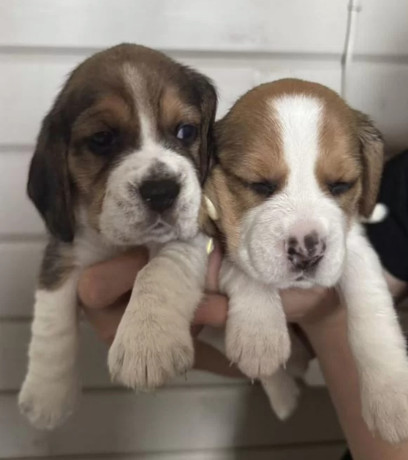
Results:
[145, 354]
[385, 410]
[258, 349]
[48, 403]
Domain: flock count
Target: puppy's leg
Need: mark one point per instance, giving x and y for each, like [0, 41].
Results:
[281, 388]
[257, 337]
[376, 341]
[300, 357]
[51, 386]
[153, 342]
[282, 392]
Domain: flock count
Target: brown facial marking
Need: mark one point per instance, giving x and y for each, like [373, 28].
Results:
[339, 157]
[110, 112]
[372, 157]
[351, 150]
[170, 95]
[90, 171]
[248, 139]
[249, 150]
[57, 264]
[174, 110]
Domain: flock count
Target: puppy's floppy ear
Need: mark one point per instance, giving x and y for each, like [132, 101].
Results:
[48, 181]
[208, 97]
[372, 154]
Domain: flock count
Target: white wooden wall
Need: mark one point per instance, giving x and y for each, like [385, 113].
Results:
[239, 43]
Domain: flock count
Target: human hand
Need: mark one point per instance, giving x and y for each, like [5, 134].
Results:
[104, 291]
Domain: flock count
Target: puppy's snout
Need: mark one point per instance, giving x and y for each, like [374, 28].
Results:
[159, 195]
[305, 251]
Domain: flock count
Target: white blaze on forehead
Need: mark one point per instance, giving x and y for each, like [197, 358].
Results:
[146, 130]
[137, 83]
[299, 120]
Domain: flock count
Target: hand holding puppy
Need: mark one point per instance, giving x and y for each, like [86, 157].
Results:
[104, 290]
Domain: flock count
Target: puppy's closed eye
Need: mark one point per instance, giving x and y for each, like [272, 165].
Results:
[264, 188]
[102, 142]
[340, 187]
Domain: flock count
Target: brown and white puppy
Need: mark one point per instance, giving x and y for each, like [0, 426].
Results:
[118, 163]
[296, 168]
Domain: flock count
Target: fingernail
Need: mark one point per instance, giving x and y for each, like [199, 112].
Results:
[210, 246]
[212, 212]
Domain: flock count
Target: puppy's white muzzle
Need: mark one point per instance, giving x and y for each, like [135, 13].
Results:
[153, 195]
[290, 247]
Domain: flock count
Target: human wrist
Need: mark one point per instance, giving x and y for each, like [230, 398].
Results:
[323, 330]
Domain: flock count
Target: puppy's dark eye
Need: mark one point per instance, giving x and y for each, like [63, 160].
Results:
[101, 141]
[338, 188]
[186, 133]
[264, 188]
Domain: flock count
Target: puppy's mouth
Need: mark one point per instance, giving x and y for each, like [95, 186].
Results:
[158, 227]
[304, 278]
[303, 281]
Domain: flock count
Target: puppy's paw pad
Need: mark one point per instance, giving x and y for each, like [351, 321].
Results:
[147, 359]
[257, 351]
[48, 404]
[386, 411]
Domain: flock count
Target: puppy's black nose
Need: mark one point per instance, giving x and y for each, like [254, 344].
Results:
[159, 195]
[305, 253]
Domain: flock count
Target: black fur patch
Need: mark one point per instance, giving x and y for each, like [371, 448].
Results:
[56, 265]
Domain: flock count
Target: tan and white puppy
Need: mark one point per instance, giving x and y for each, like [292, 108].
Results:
[118, 163]
[296, 167]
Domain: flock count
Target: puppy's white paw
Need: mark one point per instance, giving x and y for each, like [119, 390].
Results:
[47, 403]
[282, 392]
[145, 354]
[385, 410]
[258, 349]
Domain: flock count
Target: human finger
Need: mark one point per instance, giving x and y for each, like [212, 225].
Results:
[102, 284]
